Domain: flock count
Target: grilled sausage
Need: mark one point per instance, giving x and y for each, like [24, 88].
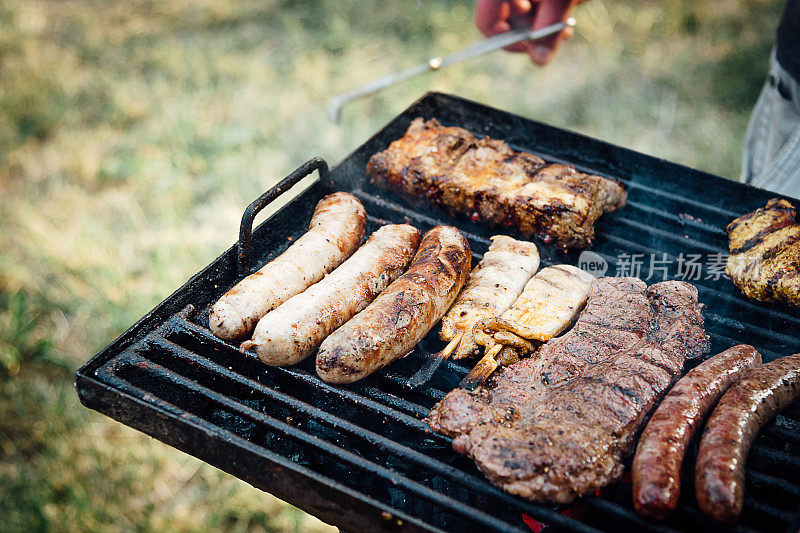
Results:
[659, 455]
[729, 433]
[403, 314]
[336, 230]
[291, 332]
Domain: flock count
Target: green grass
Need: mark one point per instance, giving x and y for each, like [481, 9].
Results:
[133, 133]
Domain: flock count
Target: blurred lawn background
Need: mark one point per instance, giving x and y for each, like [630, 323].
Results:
[133, 133]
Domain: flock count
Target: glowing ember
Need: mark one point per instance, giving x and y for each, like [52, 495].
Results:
[532, 523]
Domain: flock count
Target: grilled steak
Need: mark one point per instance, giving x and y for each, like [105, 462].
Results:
[764, 259]
[487, 180]
[557, 425]
[616, 316]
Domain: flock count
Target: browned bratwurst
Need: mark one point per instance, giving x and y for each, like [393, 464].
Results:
[659, 455]
[734, 424]
[402, 314]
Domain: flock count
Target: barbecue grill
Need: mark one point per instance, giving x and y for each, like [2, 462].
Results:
[362, 457]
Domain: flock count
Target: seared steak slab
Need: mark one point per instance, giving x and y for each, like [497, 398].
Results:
[558, 425]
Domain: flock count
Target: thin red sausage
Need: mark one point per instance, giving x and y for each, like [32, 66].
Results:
[659, 455]
[748, 405]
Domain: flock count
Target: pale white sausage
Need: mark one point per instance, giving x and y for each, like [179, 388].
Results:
[335, 232]
[296, 328]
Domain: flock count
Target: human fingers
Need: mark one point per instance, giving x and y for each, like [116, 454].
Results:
[491, 16]
[549, 12]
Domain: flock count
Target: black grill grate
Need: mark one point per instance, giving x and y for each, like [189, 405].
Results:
[361, 456]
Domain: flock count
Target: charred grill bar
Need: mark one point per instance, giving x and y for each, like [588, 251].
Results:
[361, 456]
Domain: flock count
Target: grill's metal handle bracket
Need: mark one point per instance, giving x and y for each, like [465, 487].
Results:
[243, 247]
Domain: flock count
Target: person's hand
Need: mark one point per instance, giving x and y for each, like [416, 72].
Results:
[499, 16]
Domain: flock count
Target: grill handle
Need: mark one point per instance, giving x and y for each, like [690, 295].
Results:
[243, 247]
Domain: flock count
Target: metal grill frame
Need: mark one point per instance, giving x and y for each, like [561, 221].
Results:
[170, 378]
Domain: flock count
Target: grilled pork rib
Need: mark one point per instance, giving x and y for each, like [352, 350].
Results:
[557, 425]
[485, 179]
[764, 259]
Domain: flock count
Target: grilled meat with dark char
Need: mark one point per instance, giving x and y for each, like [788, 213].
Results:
[764, 259]
[616, 316]
[656, 469]
[732, 428]
[389, 327]
[558, 425]
[484, 178]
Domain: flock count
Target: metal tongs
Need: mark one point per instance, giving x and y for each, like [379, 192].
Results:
[435, 63]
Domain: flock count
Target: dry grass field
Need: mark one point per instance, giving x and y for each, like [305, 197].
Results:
[133, 133]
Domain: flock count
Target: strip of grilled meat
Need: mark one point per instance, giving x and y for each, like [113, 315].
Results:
[487, 180]
[490, 289]
[547, 306]
[764, 259]
[558, 425]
